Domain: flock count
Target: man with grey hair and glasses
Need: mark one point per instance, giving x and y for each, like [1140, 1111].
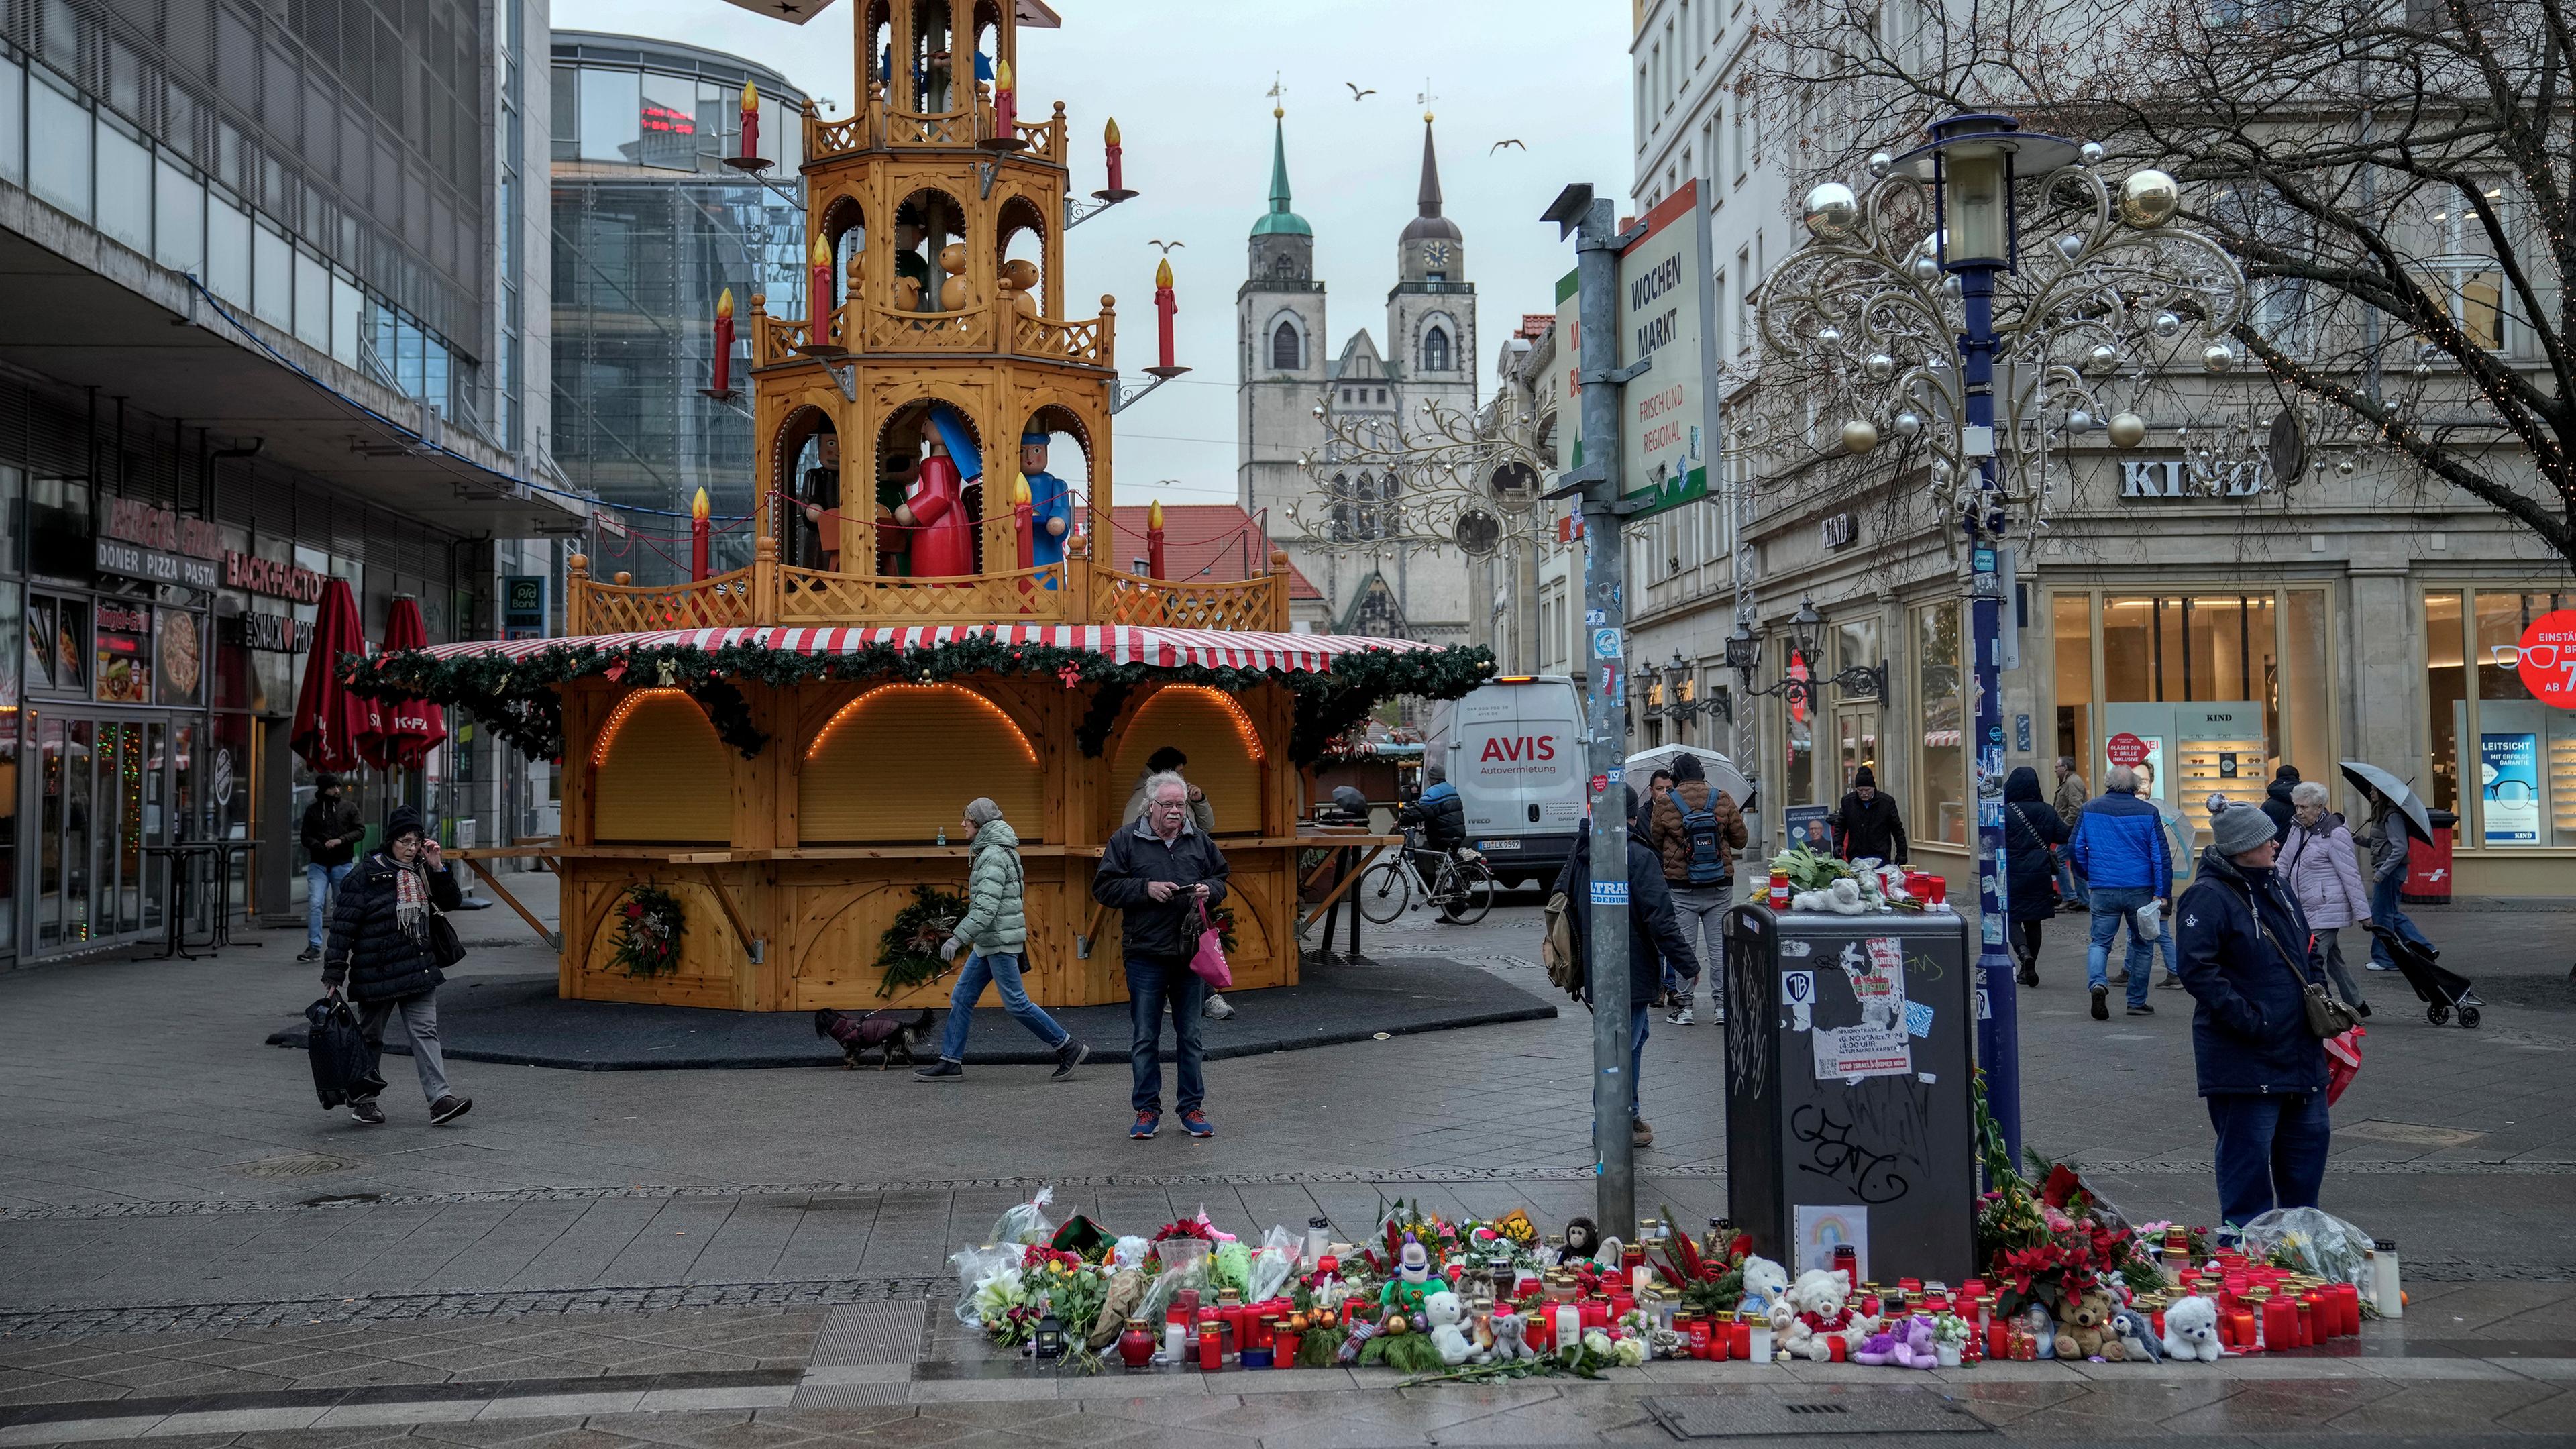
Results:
[1166, 877]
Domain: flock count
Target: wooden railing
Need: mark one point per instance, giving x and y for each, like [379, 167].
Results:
[1050, 339]
[879, 126]
[911, 128]
[865, 327]
[723, 601]
[1085, 592]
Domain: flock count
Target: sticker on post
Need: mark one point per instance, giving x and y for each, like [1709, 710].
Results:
[1798, 993]
[1605, 644]
[1793, 948]
[1609, 893]
[1985, 1005]
[1918, 1019]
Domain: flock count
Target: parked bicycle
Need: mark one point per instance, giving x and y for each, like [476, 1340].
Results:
[1461, 885]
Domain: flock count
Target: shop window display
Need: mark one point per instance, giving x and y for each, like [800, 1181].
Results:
[1941, 801]
[2519, 752]
[2072, 616]
[2206, 694]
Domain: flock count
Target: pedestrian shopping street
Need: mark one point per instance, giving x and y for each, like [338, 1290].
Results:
[182, 1226]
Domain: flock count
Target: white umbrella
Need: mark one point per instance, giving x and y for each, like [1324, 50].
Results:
[2374, 780]
[1722, 773]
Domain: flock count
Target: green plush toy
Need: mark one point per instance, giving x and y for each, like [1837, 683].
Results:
[1413, 1283]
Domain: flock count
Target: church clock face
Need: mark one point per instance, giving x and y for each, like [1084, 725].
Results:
[1438, 254]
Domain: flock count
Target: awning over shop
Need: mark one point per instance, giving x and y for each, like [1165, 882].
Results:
[1117, 643]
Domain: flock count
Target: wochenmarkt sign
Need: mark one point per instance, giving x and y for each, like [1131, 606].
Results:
[1668, 413]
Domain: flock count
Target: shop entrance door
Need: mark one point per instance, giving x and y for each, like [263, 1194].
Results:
[1856, 726]
[103, 787]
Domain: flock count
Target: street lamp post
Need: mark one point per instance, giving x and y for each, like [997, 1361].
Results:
[1745, 653]
[1921, 299]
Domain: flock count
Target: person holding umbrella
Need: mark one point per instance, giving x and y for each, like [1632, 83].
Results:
[2389, 848]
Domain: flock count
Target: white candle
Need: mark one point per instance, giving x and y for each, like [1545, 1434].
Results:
[1762, 1343]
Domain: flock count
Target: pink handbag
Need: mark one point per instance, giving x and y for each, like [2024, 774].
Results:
[1209, 960]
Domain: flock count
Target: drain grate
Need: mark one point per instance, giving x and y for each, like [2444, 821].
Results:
[299, 1164]
[1813, 1410]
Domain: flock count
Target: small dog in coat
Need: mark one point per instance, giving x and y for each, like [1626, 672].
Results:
[878, 1031]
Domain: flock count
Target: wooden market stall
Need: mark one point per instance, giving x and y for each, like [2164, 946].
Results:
[786, 749]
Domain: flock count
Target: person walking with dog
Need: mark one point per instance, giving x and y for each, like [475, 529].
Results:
[1164, 876]
[2260, 1061]
[994, 934]
[2120, 845]
[380, 949]
[2324, 872]
[1695, 830]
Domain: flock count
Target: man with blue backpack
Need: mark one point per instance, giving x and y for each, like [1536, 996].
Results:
[1696, 830]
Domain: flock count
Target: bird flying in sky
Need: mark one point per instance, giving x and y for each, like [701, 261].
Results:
[1357, 93]
[1166, 246]
[1498, 145]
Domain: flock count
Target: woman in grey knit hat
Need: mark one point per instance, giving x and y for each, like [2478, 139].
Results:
[994, 933]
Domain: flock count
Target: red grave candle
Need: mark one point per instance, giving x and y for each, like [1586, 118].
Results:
[1211, 1341]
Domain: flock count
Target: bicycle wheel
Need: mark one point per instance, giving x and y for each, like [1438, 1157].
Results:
[1382, 892]
[1470, 893]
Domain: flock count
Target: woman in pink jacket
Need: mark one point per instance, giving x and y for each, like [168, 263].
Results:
[2324, 872]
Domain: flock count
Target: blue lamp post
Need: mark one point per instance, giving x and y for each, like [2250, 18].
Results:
[1910, 299]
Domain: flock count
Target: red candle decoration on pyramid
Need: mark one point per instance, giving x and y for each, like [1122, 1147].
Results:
[1006, 103]
[698, 536]
[1164, 308]
[819, 314]
[724, 343]
[750, 121]
[1024, 519]
[1154, 540]
[1117, 153]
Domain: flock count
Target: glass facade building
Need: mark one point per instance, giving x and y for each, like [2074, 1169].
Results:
[650, 230]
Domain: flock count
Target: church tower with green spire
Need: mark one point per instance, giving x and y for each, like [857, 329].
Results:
[1283, 346]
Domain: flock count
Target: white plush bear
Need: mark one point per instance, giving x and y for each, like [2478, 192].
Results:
[1764, 1283]
[2191, 1330]
[1821, 1303]
[1444, 1312]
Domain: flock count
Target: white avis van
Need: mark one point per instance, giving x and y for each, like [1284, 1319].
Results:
[1514, 749]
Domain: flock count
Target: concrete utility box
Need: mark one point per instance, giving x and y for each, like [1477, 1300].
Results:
[1850, 1041]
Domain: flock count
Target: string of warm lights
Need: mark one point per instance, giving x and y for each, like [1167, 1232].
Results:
[850, 711]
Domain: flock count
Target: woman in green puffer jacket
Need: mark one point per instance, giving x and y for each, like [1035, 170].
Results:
[994, 935]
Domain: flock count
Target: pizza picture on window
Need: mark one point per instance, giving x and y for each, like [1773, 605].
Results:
[180, 662]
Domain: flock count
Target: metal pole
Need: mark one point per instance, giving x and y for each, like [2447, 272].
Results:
[1614, 1150]
[1998, 1025]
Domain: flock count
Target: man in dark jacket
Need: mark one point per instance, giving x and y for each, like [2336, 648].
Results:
[2277, 804]
[380, 949]
[1439, 811]
[1695, 830]
[2119, 844]
[2263, 1073]
[330, 833]
[1866, 826]
[2031, 827]
[1653, 932]
[1160, 874]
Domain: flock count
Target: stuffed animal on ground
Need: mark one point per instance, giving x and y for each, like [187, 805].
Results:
[2082, 1328]
[1582, 1240]
[1822, 1303]
[1410, 1290]
[2042, 1330]
[1877, 1349]
[2137, 1335]
[1510, 1334]
[1914, 1345]
[1764, 1284]
[882, 1032]
[2191, 1330]
[1443, 1310]
[1612, 1250]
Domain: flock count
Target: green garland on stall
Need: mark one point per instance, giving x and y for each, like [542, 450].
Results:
[908, 952]
[517, 698]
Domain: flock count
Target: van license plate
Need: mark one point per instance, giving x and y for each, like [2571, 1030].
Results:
[1493, 845]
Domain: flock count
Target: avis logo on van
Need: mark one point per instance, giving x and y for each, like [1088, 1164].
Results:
[1518, 747]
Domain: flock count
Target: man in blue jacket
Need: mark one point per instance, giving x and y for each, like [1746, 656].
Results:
[2119, 847]
[1654, 933]
[2262, 1072]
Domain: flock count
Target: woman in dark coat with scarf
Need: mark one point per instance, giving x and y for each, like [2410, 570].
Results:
[380, 950]
[2031, 826]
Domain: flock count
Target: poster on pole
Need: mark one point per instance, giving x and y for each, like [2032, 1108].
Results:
[1668, 414]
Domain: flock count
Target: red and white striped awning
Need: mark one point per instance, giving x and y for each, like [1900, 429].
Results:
[1940, 739]
[1119, 643]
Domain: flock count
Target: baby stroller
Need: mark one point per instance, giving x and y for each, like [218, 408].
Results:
[2440, 990]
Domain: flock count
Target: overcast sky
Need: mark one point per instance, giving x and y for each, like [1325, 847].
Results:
[1187, 79]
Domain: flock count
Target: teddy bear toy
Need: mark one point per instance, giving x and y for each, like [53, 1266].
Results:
[1510, 1333]
[2191, 1330]
[1764, 1283]
[1443, 1311]
[2137, 1336]
[2042, 1330]
[2082, 1328]
[1821, 1301]
[1913, 1345]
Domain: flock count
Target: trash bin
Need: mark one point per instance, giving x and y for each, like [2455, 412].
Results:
[2428, 867]
[1849, 1120]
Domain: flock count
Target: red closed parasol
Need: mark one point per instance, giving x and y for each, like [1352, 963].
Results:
[401, 732]
[328, 718]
